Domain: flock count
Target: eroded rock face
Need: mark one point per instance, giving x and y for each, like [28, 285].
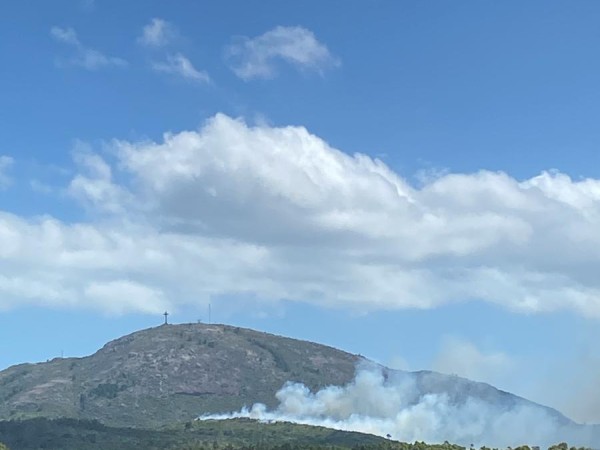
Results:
[170, 373]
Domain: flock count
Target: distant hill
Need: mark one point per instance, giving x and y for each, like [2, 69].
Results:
[71, 434]
[173, 373]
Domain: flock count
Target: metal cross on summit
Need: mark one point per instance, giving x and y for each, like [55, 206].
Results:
[166, 314]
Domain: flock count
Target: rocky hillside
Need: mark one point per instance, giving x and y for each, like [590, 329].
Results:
[174, 373]
[170, 373]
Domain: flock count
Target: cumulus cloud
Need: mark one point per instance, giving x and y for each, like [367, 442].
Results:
[179, 65]
[258, 57]
[157, 33]
[6, 163]
[85, 57]
[399, 405]
[93, 184]
[276, 213]
[113, 268]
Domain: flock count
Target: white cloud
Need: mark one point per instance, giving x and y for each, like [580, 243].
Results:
[157, 33]
[65, 35]
[276, 213]
[121, 296]
[258, 57]
[179, 65]
[93, 184]
[6, 163]
[116, 267]
[460, 357]
[85, 57]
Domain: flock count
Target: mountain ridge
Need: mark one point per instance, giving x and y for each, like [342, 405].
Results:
[173, 373]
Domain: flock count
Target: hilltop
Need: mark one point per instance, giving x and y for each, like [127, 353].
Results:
[168, 374]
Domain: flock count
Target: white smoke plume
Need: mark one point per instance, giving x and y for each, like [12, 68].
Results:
[396, 404]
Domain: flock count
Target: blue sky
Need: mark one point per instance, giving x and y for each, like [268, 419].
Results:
[417, 182]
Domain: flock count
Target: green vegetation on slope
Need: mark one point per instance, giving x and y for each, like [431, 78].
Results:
[71, 434]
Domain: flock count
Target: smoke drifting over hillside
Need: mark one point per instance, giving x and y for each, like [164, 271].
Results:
[394, 404]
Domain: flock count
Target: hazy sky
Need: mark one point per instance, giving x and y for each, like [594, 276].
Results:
[417, 182]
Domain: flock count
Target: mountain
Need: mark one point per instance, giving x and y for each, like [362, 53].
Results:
[168, 374]
[173, 373]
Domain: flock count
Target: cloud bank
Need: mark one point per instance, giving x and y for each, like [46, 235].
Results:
[276, 213]
[258, 57]
[398, 406]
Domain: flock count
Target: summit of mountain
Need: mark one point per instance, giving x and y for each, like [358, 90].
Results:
[170, 373]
